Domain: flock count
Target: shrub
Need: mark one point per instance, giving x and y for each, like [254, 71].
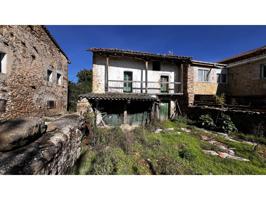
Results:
[225, 124]
[139, 135]
[112, 161]
[104, 163]
[167, 166]
[181, 119]
[206, 121]
[185, 153]
[220, 99]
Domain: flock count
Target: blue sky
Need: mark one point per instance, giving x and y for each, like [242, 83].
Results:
[207, 43]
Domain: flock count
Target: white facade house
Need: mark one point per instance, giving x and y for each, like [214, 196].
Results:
[122, 79]
[128, 75]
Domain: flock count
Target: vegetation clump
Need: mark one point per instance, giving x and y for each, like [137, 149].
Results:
[225, 124]
[172, 151]
[220, 100]
[205, 121]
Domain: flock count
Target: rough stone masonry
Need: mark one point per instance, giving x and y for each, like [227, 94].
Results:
[33, 75]
[55, 152]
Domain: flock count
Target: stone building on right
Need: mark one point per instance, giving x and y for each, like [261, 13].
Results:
[247, 78]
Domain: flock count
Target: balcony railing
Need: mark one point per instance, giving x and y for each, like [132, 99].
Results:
[140, 87]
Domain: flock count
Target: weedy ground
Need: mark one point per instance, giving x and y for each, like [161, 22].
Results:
[171, 151]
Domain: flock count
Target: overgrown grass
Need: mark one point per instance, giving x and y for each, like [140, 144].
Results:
[169, 152]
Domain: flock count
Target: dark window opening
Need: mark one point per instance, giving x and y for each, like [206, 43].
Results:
[49, 75]
[221, 78]
[164, 84]
[156, 66]
[2, 105]
[263, 71]
[51, 104]
[58, 79]
[128, 82]
[2, 63]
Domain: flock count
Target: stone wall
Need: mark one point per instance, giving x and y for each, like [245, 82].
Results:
[24, 89]
[248, 122]
[188, 87]
[53, 153]
[245, 80]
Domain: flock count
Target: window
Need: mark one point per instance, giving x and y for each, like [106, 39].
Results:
[263, 71]
[50, 104]
[164, 84]
[221, 78]
[203, 75]
[156, 66]
[2, 63]
[49, 75]
[59, 79]
[2, 105]
[127, 81]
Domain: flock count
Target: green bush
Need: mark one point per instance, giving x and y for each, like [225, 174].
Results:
[112, 161]
[220, 100]
[225, 124]
[206, 121]
[181, 119]
[139, 135]
[167, 166]
[185, 153]
[104, 163]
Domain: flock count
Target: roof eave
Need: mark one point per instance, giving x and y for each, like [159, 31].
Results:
[138, 54]
[56, 44]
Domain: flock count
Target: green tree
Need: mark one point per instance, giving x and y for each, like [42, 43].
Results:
[83, 86]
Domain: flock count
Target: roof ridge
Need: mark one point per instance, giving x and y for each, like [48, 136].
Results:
[243, 53]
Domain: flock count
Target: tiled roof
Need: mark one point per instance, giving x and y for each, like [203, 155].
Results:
[118, 96]
[144, 55]
[245, 55]
[208, 64]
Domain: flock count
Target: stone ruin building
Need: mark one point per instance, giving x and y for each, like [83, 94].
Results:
[33, 73]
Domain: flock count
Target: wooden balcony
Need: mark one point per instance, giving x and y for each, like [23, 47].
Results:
[118, 86]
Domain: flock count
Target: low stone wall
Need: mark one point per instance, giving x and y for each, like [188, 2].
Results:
[53, 153]
[249, 122]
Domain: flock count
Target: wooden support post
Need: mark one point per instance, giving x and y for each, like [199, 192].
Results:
[95, 113]
[125, 121]
[146, 76]
[106, 73]
[181, 77]
[141, 82]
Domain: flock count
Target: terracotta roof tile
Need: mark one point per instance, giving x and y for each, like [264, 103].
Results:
[121, 52]
[118, 96]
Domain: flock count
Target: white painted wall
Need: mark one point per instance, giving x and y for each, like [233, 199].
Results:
[117, 67]
[212, 76]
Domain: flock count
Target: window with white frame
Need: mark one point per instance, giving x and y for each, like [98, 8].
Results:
[221, 78]
[203, 75]
[263, 71]
[2, 63]
[49, 76]
[59, 79]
